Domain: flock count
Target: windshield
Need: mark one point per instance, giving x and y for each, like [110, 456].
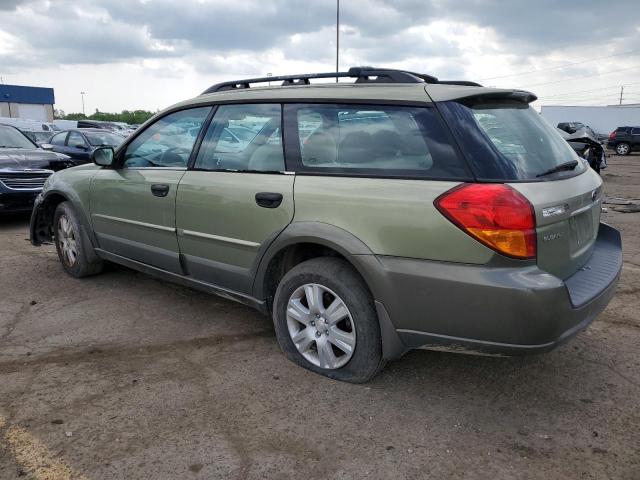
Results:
[103, 138]
[521, 145]
[12, 138]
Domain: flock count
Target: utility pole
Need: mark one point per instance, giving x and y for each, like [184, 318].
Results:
[621, 92]
[337, 38]
[82, 96]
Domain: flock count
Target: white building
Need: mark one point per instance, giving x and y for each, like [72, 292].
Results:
[32, 103]
[603, 120]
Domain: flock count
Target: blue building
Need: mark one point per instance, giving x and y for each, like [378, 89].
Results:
[34, 103]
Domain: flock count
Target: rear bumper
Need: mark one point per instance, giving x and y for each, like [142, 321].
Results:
[491, 309]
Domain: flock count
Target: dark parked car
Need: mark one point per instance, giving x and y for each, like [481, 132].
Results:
[624, 140]
[80, 143]
[23, 169]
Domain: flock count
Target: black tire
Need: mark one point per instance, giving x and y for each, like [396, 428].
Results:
[623, 148]
[86, 263]
[340, 277]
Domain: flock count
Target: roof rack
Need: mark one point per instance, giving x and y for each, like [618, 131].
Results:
[361, 74]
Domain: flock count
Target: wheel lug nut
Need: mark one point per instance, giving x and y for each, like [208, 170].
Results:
[313, 324]
[317, 315]
[318, 334]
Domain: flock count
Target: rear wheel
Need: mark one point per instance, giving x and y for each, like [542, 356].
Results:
[622, 149]
[73, 252]
[325, 320]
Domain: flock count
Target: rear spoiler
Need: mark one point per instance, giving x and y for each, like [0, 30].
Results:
[499, 95]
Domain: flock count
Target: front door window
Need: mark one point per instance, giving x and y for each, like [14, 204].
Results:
[168, 142]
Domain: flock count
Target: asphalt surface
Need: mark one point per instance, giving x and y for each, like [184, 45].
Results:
[123, 376]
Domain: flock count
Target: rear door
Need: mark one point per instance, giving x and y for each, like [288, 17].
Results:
[133, 205]
[77, 147]
[237, 198]
[58, 141]
[635, 137]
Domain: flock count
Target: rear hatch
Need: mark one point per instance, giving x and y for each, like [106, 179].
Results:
[507, 141]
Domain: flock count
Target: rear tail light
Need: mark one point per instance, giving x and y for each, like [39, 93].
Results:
[612, 135]
[495, 214]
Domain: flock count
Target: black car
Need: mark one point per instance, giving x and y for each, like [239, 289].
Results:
[80, 143]
[624, 140]
[24, 167]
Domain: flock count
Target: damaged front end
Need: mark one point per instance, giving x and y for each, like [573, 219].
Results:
[41, 225]
[587, 146]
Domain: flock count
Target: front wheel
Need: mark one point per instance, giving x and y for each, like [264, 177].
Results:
[622, 149]
[73, 251]
[325, 320]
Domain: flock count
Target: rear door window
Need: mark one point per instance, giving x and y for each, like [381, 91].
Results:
[76, 140]
[243, 138]
[374, 140]
[59, 139]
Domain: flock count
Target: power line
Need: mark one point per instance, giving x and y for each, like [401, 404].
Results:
[583, 76]
[587, 91]
[561, 66]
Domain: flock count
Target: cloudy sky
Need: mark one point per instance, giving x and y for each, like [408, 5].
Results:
[128, 54]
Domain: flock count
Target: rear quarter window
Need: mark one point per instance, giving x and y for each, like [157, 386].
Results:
[373, 140]
[509, 141]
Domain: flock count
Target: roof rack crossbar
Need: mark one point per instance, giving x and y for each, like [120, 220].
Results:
[361, 74]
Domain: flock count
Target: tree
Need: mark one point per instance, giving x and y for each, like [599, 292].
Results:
[126, 116]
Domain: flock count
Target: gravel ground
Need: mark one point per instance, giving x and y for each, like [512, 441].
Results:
[124, 376]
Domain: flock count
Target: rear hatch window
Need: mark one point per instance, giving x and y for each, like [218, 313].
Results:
[510, 141]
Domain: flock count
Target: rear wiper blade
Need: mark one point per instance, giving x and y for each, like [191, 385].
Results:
[559, 168]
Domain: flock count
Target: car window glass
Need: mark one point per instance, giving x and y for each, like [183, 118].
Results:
[378, 139]
[167, 142]
[58, 139]
[104, 138]
[635, 131]
[509, 140]
[75, 139]
[243, 138]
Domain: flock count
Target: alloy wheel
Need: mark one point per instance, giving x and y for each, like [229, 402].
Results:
[321, 326]
[622, 149]
[67, 240]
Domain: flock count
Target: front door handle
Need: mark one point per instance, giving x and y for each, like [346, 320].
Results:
[269, 199]
[160, 189]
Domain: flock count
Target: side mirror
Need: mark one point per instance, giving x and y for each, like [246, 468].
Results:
[103, 156]
[46, 146]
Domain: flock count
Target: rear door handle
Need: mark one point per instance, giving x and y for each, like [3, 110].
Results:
[269, 199]
[160, 189]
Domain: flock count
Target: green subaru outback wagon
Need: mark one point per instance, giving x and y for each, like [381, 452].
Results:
[368, 218]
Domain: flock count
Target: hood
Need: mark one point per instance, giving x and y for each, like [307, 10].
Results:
[33, 158]
[582, 135]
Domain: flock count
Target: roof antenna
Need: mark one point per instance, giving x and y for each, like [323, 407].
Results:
[337, 37]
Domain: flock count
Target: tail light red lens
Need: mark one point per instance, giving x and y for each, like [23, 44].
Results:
[612, 135]
[495, 214]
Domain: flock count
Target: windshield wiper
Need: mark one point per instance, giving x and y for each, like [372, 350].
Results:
[559, 168]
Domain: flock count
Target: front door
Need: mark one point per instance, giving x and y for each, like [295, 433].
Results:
[133, 205]
[237, 199]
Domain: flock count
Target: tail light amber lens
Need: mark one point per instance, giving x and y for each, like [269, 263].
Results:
[495, 214]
